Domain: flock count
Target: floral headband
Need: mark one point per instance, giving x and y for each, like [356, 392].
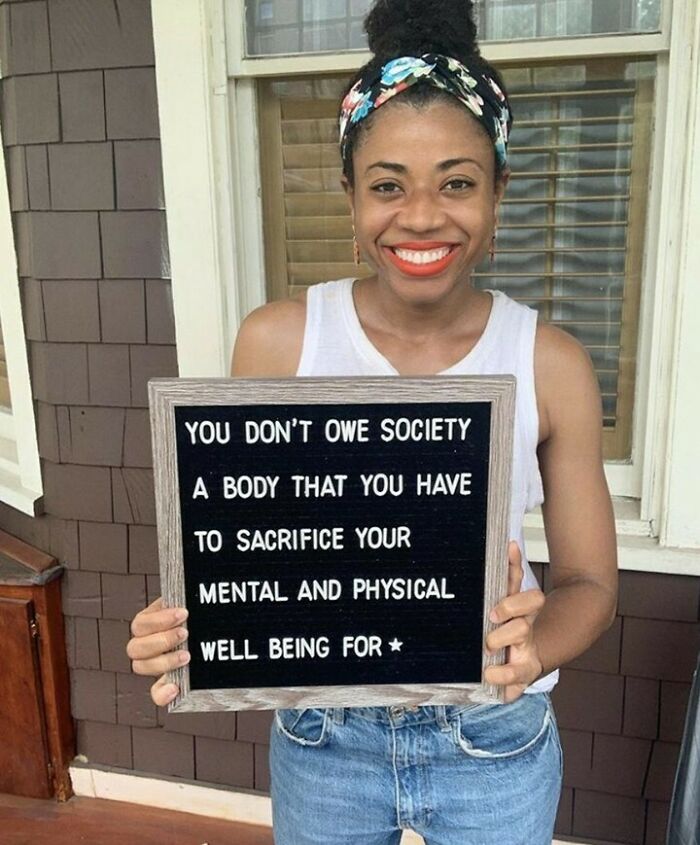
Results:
[481, 95]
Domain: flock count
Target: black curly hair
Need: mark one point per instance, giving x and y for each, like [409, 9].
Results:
[411, 28]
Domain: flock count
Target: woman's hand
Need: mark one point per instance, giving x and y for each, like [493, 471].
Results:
[156, 631]
[517, 614]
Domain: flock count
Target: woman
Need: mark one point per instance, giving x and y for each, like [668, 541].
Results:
[424, 138]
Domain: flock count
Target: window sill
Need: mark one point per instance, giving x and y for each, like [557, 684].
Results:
[637, 549]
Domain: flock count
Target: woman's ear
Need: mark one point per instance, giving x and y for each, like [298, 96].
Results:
[501, 185]
[350, 194]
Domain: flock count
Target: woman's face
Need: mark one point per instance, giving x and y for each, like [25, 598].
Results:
[424, 203]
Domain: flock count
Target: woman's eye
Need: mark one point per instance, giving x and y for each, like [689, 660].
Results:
[459, 184]
[386, 188]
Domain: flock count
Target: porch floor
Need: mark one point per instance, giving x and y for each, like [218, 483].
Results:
[29, 821]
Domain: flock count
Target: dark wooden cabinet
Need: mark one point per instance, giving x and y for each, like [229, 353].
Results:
[24, 758]
[36, 728]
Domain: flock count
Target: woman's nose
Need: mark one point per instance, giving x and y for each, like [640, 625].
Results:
[421, 213]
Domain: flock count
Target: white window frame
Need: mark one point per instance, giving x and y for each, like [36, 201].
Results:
[20, 468]
[206, 84]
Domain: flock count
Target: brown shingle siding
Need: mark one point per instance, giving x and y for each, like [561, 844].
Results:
[163, 752]
[134, 496]
[61, 245]
[650, 595]
[114, 635]
[38, 183]
[122, 310]
[608, 817]
[71, 311]
[149, 362]
[105, 744]
[139, 175]
[33, 309]
[103, 547]
[134, 244]
[674, 704]
[143, 549]
[212, 725]
[100, 33]
[108, 368]
[91, 436]
[122, 595]
[641, 714]
[659, 649]
[134, 704]
[30, 109]
[219, 761]
[131, 102]
[94, 695]
[82, 594]
[82, 176]
[29, 26]
[662, 771]
[159, 311]
[78, 492]
[59, 372]
[82, 106]
[137, 439]
[589, 701]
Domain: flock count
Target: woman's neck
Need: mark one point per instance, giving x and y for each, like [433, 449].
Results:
[382, 310]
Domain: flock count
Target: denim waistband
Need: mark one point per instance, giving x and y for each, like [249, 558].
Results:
[405, 714]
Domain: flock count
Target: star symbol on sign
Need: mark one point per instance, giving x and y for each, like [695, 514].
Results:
[395, 645]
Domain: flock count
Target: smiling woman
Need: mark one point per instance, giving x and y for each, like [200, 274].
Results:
[424, 131]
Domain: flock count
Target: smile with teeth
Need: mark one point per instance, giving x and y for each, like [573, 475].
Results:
[427, 257]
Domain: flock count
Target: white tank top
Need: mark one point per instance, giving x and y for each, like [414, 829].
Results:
[335, 344]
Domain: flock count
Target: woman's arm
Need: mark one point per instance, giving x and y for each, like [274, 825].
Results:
[578, 515]
[579, 524]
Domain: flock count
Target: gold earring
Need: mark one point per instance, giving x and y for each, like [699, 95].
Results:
[355, 248]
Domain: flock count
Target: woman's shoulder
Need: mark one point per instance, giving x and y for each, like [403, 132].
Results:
[270, 339]
[565, 378]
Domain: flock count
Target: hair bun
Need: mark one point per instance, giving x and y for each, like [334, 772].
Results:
[413, 27]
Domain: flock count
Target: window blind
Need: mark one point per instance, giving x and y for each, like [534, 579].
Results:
[571, 240]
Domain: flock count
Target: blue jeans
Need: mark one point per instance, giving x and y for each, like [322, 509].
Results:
[477, 775]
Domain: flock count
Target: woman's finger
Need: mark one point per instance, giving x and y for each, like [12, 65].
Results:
[515, 568]
[143, 648]
[153, 620]
[521, 604]
[514, 632]
[163, 691]
[162, 664]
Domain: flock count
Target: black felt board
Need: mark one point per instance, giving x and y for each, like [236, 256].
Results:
[441, 638]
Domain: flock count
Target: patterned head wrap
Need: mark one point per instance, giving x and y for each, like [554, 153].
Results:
[479, 93]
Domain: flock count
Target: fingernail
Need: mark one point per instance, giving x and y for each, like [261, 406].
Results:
[170, 692]
[181, 615]
[493, 616]
[184, 657]
[181, 634]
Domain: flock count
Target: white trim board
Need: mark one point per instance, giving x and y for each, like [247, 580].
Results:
[186, 797]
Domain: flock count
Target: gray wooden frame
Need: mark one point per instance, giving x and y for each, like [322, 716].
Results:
[166, 394]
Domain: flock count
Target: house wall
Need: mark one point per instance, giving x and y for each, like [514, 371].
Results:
[79, 117]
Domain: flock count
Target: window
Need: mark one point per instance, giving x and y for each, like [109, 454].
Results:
[282, 27]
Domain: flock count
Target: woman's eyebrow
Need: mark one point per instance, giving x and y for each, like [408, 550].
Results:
[395, 167]
[455, 162]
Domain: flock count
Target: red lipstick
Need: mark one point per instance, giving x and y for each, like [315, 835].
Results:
[434, 268]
